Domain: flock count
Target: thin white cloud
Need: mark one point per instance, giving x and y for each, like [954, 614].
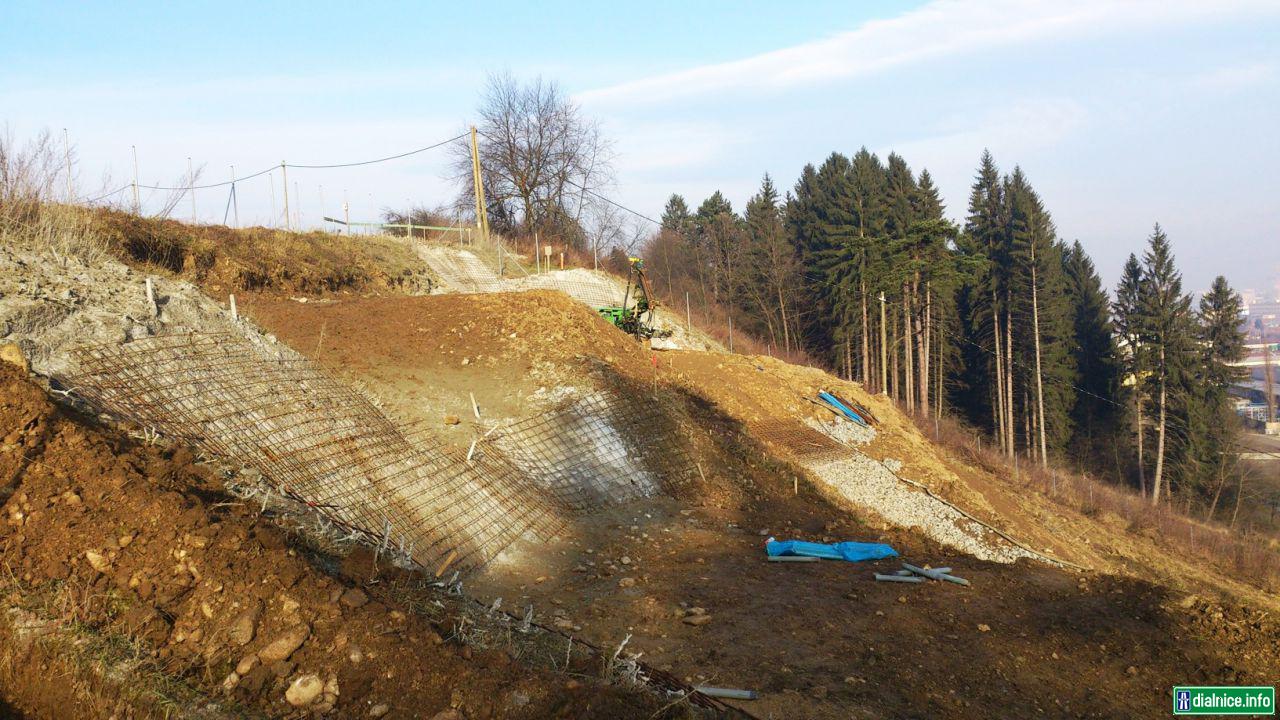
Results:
[666, 146]
[1234, 77]
[941, 28]
[1013, 132]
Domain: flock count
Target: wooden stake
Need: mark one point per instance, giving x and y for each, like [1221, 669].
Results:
[448, 560]
[151, 298]
[474, 407]
[235, 316]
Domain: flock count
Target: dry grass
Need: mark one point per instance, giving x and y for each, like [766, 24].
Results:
[1250, 557]
[222, 258]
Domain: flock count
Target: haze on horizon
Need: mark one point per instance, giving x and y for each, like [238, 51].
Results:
[1121, 114]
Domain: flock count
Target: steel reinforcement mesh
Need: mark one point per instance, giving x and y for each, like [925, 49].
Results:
[794, 439]
[598, 450]
[320, 442]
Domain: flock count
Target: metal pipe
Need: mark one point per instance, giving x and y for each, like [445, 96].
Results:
[898, 578]
[730, 693]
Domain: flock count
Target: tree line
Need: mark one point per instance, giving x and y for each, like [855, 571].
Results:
[996, 319]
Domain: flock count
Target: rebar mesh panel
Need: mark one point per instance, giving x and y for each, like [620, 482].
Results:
[598, 450]
[797, 440]
[320, 442]
[592, 288]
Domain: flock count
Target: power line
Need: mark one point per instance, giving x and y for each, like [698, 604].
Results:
[379, 160]
[286, 165]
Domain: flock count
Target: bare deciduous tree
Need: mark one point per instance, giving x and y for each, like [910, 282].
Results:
[541, 159]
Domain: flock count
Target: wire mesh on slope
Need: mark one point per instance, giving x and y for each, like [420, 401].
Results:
[799, 441]
[590, 287]
[321, 443]
[598, 450]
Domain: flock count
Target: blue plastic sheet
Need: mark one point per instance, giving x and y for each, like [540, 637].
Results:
[843, 409]
[851, 551]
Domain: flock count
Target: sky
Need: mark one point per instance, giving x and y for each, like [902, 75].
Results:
[1121, 113]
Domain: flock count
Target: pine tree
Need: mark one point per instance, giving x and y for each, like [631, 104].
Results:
[986, 304]
[1222, 341]
[675, 216]
[1166, 320]
[1093, 350]
[1134, 356]
[1041, 348]
[772, 269]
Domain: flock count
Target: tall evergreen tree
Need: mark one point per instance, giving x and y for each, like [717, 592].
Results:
[986, 302]
[1166, 323]
[771, 272]
[675, 216]
[1134, 355]
[1222, 343]
[1093, 349]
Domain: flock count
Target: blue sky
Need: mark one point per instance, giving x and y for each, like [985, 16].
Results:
[1121, 113]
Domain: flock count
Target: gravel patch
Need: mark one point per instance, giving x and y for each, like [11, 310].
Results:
[868, 483]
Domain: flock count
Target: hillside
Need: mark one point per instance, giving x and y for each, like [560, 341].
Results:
[668, 471]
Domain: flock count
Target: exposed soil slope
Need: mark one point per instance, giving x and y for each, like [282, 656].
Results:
[425, 356]
[817, 640]
[134, 545]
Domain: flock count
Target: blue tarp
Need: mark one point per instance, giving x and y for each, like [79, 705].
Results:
[851, 551]
[843, 409]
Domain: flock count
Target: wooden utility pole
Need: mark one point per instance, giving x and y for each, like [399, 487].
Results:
[482, 216]
[235, 201]
[884, 350]
[288, 225]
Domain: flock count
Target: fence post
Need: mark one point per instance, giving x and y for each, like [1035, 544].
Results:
[66, 146]
[191, 188]
[688, 313]
[288, 224]
[730, 332]
[137, 205]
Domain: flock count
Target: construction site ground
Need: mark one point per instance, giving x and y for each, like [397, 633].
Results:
[134, 585]
[820, 640]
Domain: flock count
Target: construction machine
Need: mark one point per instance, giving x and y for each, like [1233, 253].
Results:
[635, 315]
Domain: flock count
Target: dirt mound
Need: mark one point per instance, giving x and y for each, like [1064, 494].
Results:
[461, 270]
[426, 356]
[119, 541]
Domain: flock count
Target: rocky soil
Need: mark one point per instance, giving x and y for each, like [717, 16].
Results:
[49, 304]
[125, 541]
